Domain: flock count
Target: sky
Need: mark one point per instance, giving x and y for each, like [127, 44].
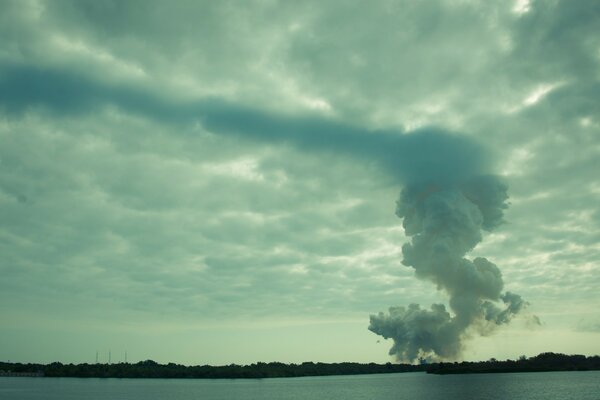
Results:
[216, 182]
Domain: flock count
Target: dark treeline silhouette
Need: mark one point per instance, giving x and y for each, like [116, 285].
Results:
[152, 369]
[540, 363]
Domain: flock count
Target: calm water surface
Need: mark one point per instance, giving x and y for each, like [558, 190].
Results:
[527, 386]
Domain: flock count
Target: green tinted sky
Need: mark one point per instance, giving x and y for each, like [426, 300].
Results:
[149, 204]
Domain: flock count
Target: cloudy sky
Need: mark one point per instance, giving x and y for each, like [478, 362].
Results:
[216, 182]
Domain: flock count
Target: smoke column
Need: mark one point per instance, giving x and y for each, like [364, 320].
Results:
[448, 196]
[444, 221]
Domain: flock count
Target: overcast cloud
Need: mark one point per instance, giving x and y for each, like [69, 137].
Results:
[223, 175]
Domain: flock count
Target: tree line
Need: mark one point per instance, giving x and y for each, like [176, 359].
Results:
[152, 369]
[543, 362]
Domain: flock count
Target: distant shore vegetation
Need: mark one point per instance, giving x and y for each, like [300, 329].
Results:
[152, 369]
[544, 362]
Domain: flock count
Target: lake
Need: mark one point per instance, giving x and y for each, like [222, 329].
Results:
[526, 386]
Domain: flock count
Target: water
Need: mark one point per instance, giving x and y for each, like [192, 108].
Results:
[526, 386]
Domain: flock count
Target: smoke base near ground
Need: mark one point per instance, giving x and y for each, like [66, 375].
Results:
[445, 221]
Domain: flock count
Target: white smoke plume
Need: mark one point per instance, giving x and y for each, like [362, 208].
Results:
[445, 222]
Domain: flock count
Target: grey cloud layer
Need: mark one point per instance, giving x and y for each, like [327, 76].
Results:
[113, 198]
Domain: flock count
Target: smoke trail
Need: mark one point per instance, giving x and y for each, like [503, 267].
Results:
[446, 202]
[445, 221]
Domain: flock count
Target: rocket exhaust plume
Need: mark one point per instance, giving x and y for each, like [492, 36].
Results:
[448, 199]
[445, 221]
